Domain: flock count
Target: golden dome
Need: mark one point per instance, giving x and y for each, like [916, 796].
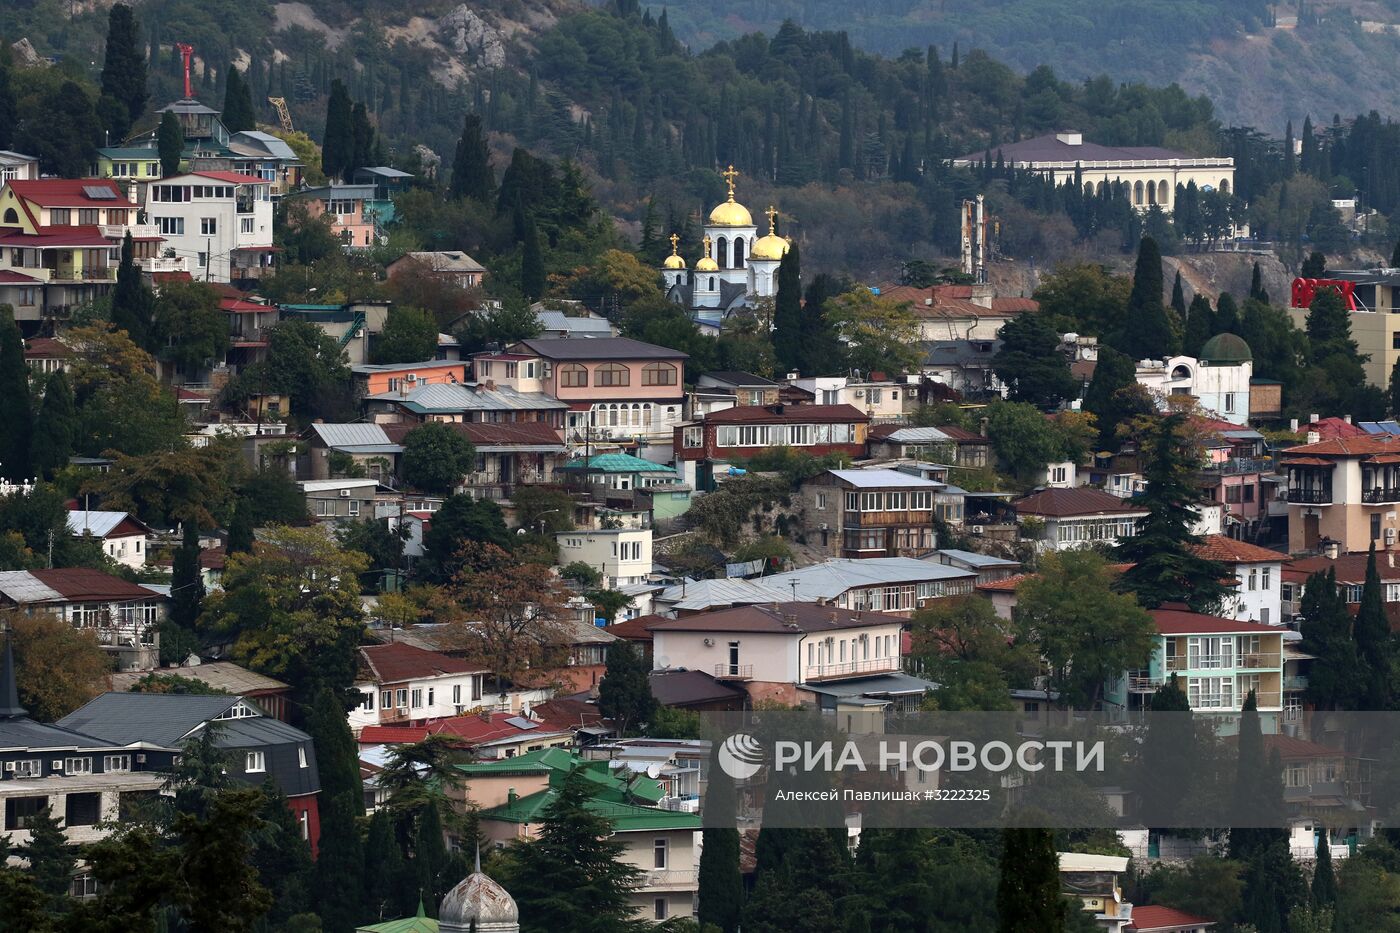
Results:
[707, 265]
[771, 246]
[731, 213]
[674, 262]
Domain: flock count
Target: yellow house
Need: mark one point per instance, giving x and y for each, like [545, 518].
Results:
[128, 163]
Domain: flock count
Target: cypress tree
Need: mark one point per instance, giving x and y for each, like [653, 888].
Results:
[1147, 331]
[123, 69]
[240, 530]
[1028, 892]
[51, 858]
[624, 693]
[340, 867]
[1373, 640]
[363, 149]
[9, 112]
[821, 350]
[1179, 297]
[430, 857]
[787, 312]
[238, 114]
[132, 303]
[16, 419]
[472, 175]
[1226, 319]
[1289, 165]
[532, 275]
[720, 892]
[1114, 372]
[337, 757]
[282, 858]
[384, 870]
[55, 429]
[1314, 267]
[1256, 285]
[170, 142]
[1324, 882]
[186, 582]
[338, 142]
[1395, 389]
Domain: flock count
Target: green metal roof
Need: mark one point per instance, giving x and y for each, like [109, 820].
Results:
[619, 463]
[625, 817]
[128, 152]
[418, 924]
[558, 763]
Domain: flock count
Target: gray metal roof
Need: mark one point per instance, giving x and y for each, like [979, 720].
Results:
[452, 397]
[706, 594]
[883, 478]
[831, 578]
[274, 147]
[446, 261]
[973, 559]
[28, 734]
[161, 719]
[559, 321]
[875, 686]
[341, 435]
[23, 587]
[97, 524]
[917, 436]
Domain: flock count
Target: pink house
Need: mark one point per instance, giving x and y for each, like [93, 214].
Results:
[354, 213]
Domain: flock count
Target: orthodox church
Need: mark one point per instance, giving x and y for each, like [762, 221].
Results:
[736, 265]
[476, 905]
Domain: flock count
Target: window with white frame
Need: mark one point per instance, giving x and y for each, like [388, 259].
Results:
[821, 501]
[208, 226]
[456, 694]
[113, 764]
[417, 698]
[1210, 652]
[77, 765]
[921, 501]
[1211, 692]
[401, 698]
[171, 226]
[386, 699]
[29, 768]
[245, 225]
[693, 437]
[254, 763]
[660, 849]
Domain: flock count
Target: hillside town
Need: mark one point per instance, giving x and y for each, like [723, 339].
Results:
[382, 537]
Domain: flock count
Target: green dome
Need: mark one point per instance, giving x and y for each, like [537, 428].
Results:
[1225, 349]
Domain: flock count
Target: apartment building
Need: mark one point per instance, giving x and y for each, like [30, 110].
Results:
[124, 616]
[1345, 490]
[871, 513]
[744, 431]
[220, 221]
[621, 555]
[125, 538]
[1257, 594]
[1072, 518]
[405, 684]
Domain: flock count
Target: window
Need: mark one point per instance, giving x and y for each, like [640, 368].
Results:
[1375, 527]
[1395, 340]
[28, 297]
[153, 169]
[658, 853]
[821, 501]
[203, 260]
[1253, 579]
[1229, 402]
[658, 374]
[401, 698]
[60, 217]
[660, 905]
[512, 369]
[245, 225]
[1059, 475]
[693, 437]
[254, 762]
[304, 822]
[430, 696]
[112, 764]
[417, 698]
[208, 226]
[29, 768]
[20, 812]
[613, 374]
[82, 809]
[1211, 692]
[77, 765]
[87, 215]
[573, 376]
[386, 699]
[354, 507]
[341, 207]
[476, 688]
[301, 756]
[84, 885]
[171, 226]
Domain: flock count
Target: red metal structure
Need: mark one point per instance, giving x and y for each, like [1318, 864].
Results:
[186, 52]
[1305, 290]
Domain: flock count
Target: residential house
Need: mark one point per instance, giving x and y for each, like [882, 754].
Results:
[691, 596]
[559, 318]
[681, 766]
[355, 212]
[1218, 377]
[16, 166]
[336, 451]
[694, 690]
[1258, 572]
[959, 312]
[989, 569]
[1373, 311]
[871, 512]
[731, 389]
[379, 378]
[488, 735]
[1072, 518]
[1239, 476]
[339, 500]
[792, 652]
[450, 266]
[1153, 918]
[617, 389]
[1218, 662]
[880, 398]
[46, 355]
[621, 555]
[156, 726]
[124, 616]
[404, 684]
[220, 220]
[965, 366]
[272, 696]
[891, 441]
[971, 451]
[508, 455]
[125, 538]
[893, 585]
[742, 432]
[472, 403]
[1350, 570]
[353, 325]
[630, 481]
[1345, 490]
[249, 321]
[387, 182]
[1093, 880]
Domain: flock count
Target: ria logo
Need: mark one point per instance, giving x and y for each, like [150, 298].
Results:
[741, 756]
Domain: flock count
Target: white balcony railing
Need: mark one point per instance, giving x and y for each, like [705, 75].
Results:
[849, 668]
[662, 878]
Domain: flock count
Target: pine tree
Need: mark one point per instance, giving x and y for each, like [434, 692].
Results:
[1324, 881]
[186, 581]
[1373, 640]
[787, 312]
[1329, 328]
[338, 142]
[720, 892]
[51, 858]
[532, 275]
[1147, 331]
[132, 302]
[238, 114]
[624, 693]
[170, 143]
[1028, 893]
[1327, 636]
[16, 419]
[123, 69]
[472, 175]
[56, 428]
[1031, 363]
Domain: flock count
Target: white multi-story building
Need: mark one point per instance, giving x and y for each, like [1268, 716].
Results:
[1218, 378]
[1257, 595]
[220, 221]
[622, 555]
[403, 683]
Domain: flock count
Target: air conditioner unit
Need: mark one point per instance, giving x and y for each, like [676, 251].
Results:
[141, 758]
[345, 494]
[56, 764]
[977, 529]
[709, 643]
[9, 766]
[823, 526]
[1390, 536]
[860, 393]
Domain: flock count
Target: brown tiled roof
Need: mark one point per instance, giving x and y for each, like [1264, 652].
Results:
[781, 618]
[638, 629]
[397, 662]
[1149, 917]
[1229, 551]
[75, 583]
[962, 435]
[1185, 622]
[1009, 584]
[801, 414]
[1348, 447]
[1058, 503]
[1350, 568]
[46, 348]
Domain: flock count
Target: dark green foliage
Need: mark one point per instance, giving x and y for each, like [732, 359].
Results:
[187, 327]
[1329, 327]
[1374, 642]
[1032, 364]
[1199, 325]
[821, 351]
[1258, 790]
[238, 114]
[720, 893]
[170, 142]
[270, 497]
[16, 420]
[304, 363]
[430, 857]
[9, 110]
[1273, 885]
[124, 70]
[131, 300]
[1395, 256]
[472, 175]
[384, 870]
[63, 133]
[1170, 698]
[1147, 331]
[1165, 566]
[1395, 388]
[1324, 880]
[338, 141]
[624, 693]
[362, 131]
[340, 865]
[51, 859]
[410, 335]
[1326, 630]
[787, 313]
[375, 539]
[282, 858]
[436, 457]
[337, 756]
[240, 529]
[1314, 267]
[55, 428]
[1227, 315]
[532, 274]
[1028, 894]
[186, 581]
[1256, 285]
[461, 519]
[1104, 398]
[802, 874]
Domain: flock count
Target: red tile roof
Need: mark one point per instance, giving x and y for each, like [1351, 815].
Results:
[1293, 748]
[243, 306]
[44, 348]
[1009, 584]
[9, 277]
[80, 583]
[1185, 622]
[1147, 917]
[962, 435]
[638, 629]
[798, 414]
[83, 235]
[1360, 446]
[471, 730]
[1329, 428]
[68, 192]
[1350, 568]
[1060, 503]
[397, 662]
[1229, 551]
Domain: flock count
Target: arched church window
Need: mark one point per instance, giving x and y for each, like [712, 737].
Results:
[1224, 186]
[738, 252]
[712, 283]
[1137, 194]
[722, 252]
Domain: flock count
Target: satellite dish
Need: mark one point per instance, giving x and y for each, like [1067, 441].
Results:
[654, 770]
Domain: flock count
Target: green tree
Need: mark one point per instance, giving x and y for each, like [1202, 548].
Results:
[384, 870]
[186, 580]
[1368, 897]
[821, 351]
[124, 69]
[1329, 327]
[303, 362]
[1258, 790]
[1147, 330]
[340, 867]
[188, 327]
[881, 334]
[240, 529]
[1374, 642]
[338, 142]
[410, 335]
[1028, 895]
[969, 651]
[1199, 325]
[51, 859]
[1178, 303]
[55, 427]
[131, 299]
[1314, 267]
[624, 693]
[460, 520]
[1326, 629]
[719, 897]
[1256, 285]
[472, 175]
[1103, 399]
[787, 313]
[1395, 389]
[1324, 880]
[1084, 298]
[1165, 564]
[532, 274]
[238, 114]
[170, 143]
[436, 458]
[16, 421]
[9, 109]
[282, 858]
[1024, 440]
[1032, 363]
[1170, 698]
[64, 132]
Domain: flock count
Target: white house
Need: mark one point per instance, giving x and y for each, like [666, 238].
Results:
[220, 221]
[125, 538]
[402, 683]
[1078, 517]
[622, 555]
[1218, 378]
[1258, 593]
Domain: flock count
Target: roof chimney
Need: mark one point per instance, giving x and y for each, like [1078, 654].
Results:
[1070, 137]
[1331, 548]
[1346, 418]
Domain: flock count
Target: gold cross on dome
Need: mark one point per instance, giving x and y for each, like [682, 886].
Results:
[729, 175]
[772, 213]
[675, 243]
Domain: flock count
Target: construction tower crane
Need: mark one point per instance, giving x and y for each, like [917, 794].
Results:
[284, 116]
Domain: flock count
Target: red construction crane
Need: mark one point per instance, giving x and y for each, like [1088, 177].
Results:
[186, 52]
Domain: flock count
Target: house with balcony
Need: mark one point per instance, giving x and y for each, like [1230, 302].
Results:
[735, 434]
[1344, 490]
[1093, 880]
[353, 325]
[618, 390]
[125, 538]
[335, 451]
[719, 390]
[356, 212]
[1257, 592]
[834, 659]
[621, 555]
[627, 482]
[880, 398]
[871, 512]
[249, 321]
[123, 616]
[1350, 571]
[381, 378]
[509, 455]
[1217, 661]
[1073, 518]
[16, 166]
[893, 585]
[221, 221]
[406, 685]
